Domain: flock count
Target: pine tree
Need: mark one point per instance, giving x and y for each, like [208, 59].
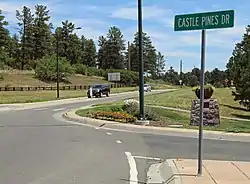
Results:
[90, 53]
[149, 54]
[42, 32]
[4, 41]
[26, 20]
[4, 33]
[239, 69]
[160, 64]
[111, 52]
[73, 52]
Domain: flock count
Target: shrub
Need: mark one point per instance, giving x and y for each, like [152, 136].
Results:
[114, 116]
[93, 71]
[80, 68]
[131, 106]
[1, 77]
[209, 87]
[150, 114]
[47, 68]
[116, 109]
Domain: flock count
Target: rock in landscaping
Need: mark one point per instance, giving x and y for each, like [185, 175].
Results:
[211, 113]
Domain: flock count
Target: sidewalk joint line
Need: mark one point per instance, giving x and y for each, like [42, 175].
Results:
[209, 174]
[240, 170]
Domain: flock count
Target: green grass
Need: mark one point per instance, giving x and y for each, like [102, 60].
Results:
[85, 112]
[173, 117]
[182, 98]
[19, 78]
[169, 117]
[39, 96]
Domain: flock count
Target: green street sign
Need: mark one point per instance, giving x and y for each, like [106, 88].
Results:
[208, 20]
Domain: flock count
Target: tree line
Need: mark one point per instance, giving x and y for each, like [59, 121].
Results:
[216, 77]
[37, 39]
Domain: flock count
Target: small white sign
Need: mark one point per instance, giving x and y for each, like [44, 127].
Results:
[114, 76]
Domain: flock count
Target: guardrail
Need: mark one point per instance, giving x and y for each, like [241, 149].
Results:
[64, 87]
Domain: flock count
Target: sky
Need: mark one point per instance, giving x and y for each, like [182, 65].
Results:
[96, 16]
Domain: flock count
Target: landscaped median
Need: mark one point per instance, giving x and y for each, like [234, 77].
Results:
[127, 112]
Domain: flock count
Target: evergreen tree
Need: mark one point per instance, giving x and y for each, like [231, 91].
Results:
[4, 33]
[239, 69]
[149, 54]
[26, 20]
[42, 32]
[4, 41]
[160, 64]
[90, 53]
[172, 76]
[110, 55]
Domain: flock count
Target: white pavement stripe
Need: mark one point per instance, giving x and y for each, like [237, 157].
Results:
[118, 141]
[148, 158]
[108, 133]
[133, 170]
[61, 109]
[40, 109]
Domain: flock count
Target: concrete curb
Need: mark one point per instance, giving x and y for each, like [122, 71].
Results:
[72, 116]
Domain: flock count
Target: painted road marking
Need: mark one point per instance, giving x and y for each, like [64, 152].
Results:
[133, 170]
[61, 109]
[148, 158]
[40, 109]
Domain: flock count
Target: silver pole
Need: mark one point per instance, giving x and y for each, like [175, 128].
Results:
[200, 147]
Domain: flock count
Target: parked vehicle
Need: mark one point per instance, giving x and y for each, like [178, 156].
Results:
[99, 90]
[147, 88]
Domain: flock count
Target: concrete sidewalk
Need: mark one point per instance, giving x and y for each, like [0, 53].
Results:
[214, 172]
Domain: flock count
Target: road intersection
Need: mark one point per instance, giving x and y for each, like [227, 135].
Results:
[38, 146]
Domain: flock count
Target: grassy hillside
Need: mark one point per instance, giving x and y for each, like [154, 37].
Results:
[19, 78]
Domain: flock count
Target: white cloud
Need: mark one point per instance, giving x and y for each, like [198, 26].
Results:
[149, 12]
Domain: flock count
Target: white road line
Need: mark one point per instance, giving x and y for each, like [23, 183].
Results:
[40, 109]
[148, 158]
[108, 133]
[118, 141]
[133, 170]
[61, 109]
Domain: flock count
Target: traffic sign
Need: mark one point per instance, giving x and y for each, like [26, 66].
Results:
[208, 20]
[203, 21]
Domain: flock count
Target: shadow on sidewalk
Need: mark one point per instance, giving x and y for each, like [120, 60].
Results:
[172, 177]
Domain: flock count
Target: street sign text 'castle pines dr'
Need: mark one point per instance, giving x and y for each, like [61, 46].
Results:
[208, 20]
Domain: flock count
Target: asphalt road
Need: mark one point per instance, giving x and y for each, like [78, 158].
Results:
[38, 147]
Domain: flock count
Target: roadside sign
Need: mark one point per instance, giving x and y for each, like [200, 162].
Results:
[114, 76]
[203, 21]
[208, 20]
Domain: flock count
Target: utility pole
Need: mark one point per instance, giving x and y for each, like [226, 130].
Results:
[57, 63]
[129, 58]
[57, 66]
[24, 44]
[181, 73]
[140, 59]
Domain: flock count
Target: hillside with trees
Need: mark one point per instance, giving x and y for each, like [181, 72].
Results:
[35, 45]
[37, 42]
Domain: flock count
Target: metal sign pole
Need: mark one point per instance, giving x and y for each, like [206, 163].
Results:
[200, 148]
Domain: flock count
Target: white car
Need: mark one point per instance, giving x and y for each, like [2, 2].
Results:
[147, 87]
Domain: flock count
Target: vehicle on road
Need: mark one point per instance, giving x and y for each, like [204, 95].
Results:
[147, 88]
[98, 90]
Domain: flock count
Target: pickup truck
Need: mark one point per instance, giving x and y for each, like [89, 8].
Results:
[99, 90]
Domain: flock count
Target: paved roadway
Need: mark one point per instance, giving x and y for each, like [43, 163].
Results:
[38, 147]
